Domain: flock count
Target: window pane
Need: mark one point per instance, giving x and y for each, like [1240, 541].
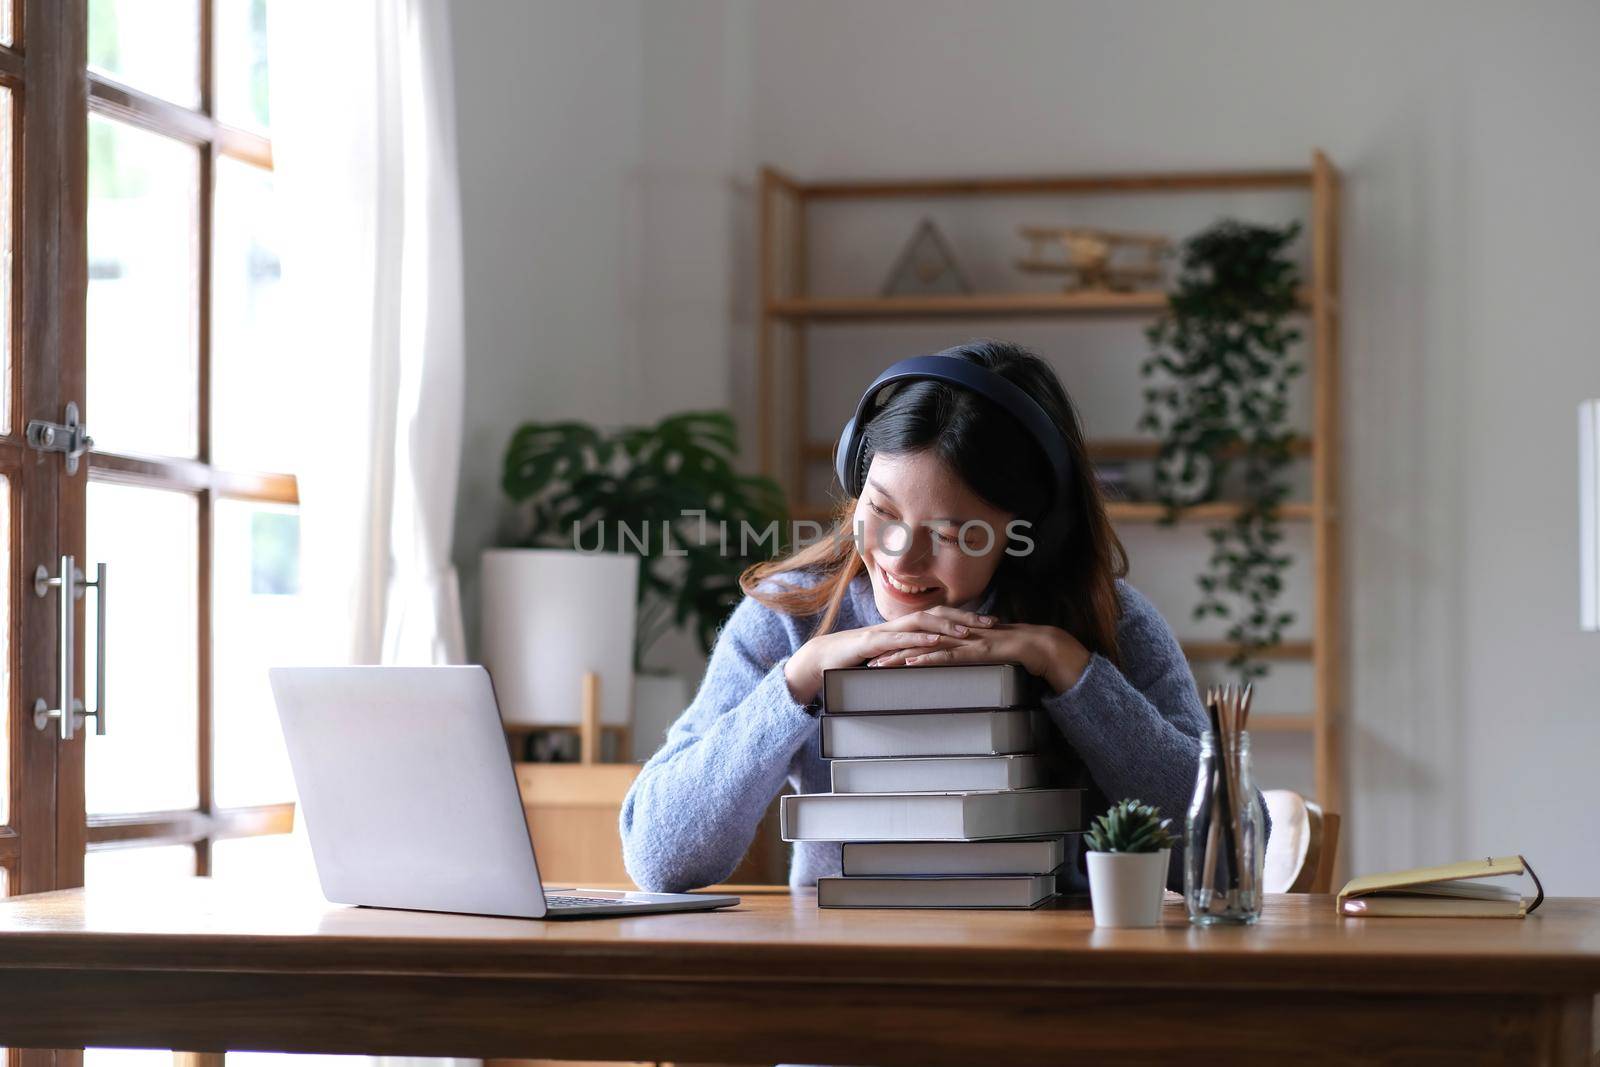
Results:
[126, 1057]
[253, 383]
[241, 60]
[8, 182]
[5, 649]
[258, 624]
[151, 45]
[144, 266]
[7, 21]
[275, 860]
[148, 759]
[118, 868]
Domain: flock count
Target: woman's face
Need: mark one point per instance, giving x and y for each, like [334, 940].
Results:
[910, 516]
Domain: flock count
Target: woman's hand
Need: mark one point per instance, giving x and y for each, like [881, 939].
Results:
[922, 631]
[1046, 651]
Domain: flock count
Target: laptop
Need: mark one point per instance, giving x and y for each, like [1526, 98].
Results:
[410, 799]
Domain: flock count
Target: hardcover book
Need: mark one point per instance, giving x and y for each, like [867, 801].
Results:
[967, 816]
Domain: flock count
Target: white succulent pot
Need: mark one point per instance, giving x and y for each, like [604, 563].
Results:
[1125, 888]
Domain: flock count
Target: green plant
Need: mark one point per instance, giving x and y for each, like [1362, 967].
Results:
[1219, 398]
[667, 493]
[1130, 826]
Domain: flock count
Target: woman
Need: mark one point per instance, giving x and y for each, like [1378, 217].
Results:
[921, 570]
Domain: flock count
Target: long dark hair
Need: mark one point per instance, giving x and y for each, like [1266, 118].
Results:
[1073, 587]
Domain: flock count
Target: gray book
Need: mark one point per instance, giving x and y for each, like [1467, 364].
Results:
[1040, 856]
[939, 774]
[939, 733]
[856, 690]
[1021, 891]
[966, 816]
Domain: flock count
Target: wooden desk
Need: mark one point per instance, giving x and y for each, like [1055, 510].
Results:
[202, 967]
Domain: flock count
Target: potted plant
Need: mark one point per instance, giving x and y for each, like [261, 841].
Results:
[667, 494]
[1129, 848]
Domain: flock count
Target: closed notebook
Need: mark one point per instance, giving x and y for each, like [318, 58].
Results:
[1022, 891]
[858, 690]
[937, 774]
[1036, 857]
[939, 733]
[966, 816]
[1454, 890]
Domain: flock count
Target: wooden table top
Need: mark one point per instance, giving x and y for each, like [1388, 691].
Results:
[200, 925]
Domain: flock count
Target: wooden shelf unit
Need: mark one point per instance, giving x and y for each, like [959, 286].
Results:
[787, 307]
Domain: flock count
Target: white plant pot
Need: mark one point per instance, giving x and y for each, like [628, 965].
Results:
[549, 616]
[1126, 887]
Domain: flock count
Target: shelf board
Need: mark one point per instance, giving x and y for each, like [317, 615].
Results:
[1222, 650]
[1125, 511]
[1218, 511]
[1105, 450]
[959, 304]
[1282, 723]
[1056, 185]
[956, 305]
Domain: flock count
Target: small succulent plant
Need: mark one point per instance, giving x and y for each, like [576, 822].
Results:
[1130, 826]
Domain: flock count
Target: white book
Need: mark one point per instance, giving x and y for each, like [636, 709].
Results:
[969, 816]
[940, 733]
[937, 774]
[1024, 891]
[1039, 856]
[849, 690]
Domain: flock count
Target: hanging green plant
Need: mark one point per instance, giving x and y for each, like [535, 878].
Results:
[1218, 399]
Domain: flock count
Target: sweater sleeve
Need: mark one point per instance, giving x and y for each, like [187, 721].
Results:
[1138, 729]
[694, 808]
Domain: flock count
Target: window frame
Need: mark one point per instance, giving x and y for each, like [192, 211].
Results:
[199, 477]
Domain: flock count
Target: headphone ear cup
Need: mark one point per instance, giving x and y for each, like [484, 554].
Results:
[844, 460]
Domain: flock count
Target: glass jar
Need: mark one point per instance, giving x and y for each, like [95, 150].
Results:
[1224, 837]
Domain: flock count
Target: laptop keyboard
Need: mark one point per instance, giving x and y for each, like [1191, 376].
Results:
[581, 902]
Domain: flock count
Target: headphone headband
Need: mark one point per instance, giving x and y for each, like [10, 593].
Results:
[999, 390]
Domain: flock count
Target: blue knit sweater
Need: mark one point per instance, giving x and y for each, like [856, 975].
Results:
[694, 808]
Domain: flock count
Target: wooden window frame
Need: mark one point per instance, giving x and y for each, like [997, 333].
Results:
[199, 477]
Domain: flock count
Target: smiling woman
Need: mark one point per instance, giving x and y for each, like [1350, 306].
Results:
[974, 532]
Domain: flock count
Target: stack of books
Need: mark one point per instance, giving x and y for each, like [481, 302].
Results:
[943, 793]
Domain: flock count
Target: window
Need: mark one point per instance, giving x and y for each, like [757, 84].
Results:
[187, 503]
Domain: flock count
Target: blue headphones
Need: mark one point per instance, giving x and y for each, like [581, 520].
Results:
[1048, 530]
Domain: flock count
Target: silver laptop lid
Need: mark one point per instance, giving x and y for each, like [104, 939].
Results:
[407, 789]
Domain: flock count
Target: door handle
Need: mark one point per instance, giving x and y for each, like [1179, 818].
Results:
[70, 713]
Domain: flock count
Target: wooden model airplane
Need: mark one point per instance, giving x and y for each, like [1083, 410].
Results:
[1089, 254]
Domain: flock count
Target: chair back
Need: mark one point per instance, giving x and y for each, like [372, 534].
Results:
[1303, 846]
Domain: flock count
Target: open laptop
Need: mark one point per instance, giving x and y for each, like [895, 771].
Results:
[410, 799]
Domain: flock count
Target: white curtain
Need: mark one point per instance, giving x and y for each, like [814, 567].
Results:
[364, 151]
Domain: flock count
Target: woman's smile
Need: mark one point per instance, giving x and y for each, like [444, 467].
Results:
[906, 591]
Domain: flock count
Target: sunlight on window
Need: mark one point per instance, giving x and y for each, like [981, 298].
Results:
[241, 60]
[150, 45]
[259, 623]
[5, 646]
[144, 268]
[7, 181]
[115, 868]
[148, 539]
[254, 380]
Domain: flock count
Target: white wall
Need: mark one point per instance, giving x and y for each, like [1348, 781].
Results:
[1469, 246]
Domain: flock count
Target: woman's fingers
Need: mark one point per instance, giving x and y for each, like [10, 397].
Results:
[877, 642]
[938, 655]
[940, 619]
